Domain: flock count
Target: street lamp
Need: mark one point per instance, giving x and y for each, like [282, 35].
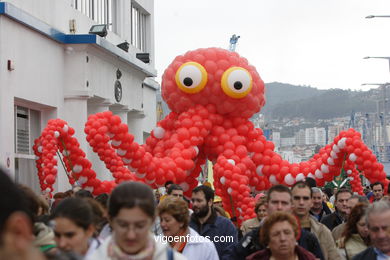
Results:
[386, 58]
[375, 16]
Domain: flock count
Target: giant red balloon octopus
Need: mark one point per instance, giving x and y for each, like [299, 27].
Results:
[212, 93]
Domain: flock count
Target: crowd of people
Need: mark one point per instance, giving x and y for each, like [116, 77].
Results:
[134, 222]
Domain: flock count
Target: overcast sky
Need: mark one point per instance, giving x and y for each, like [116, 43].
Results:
[318, 43]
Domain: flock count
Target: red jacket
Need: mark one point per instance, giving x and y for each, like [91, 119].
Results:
[265, 254]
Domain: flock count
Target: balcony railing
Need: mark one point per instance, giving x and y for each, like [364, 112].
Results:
[98, 10]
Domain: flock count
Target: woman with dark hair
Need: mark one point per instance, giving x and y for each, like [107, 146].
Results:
[279, 233]
[131, 211]
[174, 219]
[72, 222]
[355, 237]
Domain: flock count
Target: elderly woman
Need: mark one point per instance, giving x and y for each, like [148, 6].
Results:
[261, 212]
[279, 233]
[355, 237]
[174, 219]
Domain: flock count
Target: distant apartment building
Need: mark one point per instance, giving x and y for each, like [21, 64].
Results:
[333, 131]
[310, 137]
[300, 137]
[287, 141]
[320, 136]
[276, 139]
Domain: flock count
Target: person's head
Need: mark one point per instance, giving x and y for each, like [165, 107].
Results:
[167, 184]
[356, 223]
[378, 222]
[354, 200]
[202, 200]
[261, 209]
[317, 198]
[217, 201]
[174, 216]
[278, 199]
[72, 225]
[131, 209]
[99, 215]
[302, 201]
[16, 238]
[335, 190]
[377, 189]
[311, 182]
[279, 233]
[341, 201]
[32, 200]
[175, 190]
[102, 199]
[83, 194]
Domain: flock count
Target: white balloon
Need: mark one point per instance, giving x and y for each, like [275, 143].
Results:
[300, 177]
[140, 175]
[116, 143]
[352, 157]
[229, 190]
[319, 174]
[65, 128]
[56, 134]
[324, 168]
[77, 168]
[231, 161]
[273, 179]
[82, 180]
[126, 161]
[121, 152]
[311, 175]
[330, 161]
[341, 143]
[335, 148]
[349, 172]
[159, 132]
[48, 190]
[222, 180]
[111, 135]
[333, 154]
[259, 170]
[289, 179]
[40, 148]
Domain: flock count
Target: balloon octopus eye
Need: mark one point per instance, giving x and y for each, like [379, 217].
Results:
[236, 82]
[191, 77]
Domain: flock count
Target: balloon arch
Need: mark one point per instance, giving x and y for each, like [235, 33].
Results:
[212, 93]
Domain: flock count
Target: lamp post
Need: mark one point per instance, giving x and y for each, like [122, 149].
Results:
[375, 57]
[379, 16]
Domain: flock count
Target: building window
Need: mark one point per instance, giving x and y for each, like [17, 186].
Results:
[101, 11]
[27, 129]
[138, 27]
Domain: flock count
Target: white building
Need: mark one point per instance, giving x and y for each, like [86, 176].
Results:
[276, 139]
[300, 137]
[50, 67]
[287, 141]
[310, 137]
[320, 136]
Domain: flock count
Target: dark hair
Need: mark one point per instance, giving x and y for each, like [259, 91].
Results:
[98, 219]
[130, 195]
[273, 219]
[177, 208]
[75, 209]
[356, 214]
[377, 183]
[32, 200]
[208, 192]
[59, 195]
[342, 190]
[278, 188]
[168, 183]
[83, 194]
[328, 191]
[361, 199]
[259, 203]
[173, 187]
[103, 199]
[11, 200]
[311, 182]
[301, 185]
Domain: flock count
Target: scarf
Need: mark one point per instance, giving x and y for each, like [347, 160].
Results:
[114, 251]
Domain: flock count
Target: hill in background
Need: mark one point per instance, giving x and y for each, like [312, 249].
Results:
[289, 101]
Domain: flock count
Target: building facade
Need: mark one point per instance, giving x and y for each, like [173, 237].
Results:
[51, 67]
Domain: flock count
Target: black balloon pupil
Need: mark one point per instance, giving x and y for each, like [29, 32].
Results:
[238, 85]
[188, 82]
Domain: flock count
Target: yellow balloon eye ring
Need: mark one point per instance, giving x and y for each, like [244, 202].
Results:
[191, 77]
[236, 82]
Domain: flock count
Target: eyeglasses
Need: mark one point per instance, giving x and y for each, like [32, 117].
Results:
[124, 226]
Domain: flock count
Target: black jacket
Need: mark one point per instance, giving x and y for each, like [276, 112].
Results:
[332, 220]
[250, 243]
[368, 254]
